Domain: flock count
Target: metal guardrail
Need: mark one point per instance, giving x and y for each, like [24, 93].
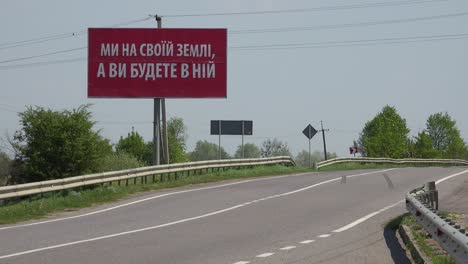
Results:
[20, 190]
[423, 204]
[391, 161]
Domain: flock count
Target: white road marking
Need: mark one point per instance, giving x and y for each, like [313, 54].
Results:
[265, 255]
[365, 218]
[288, 248]
[451, 176]
[324, 236]
[146, 199]
[362, 219]
[242, 262]
[175, 222]
[307, 241]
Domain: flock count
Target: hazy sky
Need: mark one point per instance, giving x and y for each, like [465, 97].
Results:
[281, 90]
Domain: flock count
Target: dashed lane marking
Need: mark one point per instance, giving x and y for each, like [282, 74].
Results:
[265, 255]
[288, 248]
[235, 207]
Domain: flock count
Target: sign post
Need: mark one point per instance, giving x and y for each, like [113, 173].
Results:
[242, 144]
[309, 132]
[231, 127]
[219, 139]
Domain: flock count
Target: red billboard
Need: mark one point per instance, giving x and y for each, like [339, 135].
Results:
[157, 63]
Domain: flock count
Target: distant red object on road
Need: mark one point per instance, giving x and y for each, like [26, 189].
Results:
[354, 150]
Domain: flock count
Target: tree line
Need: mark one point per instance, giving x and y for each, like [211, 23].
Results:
[387, 136]
[58, 144]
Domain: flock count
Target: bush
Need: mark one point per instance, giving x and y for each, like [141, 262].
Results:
[56, 144]
[119, 161]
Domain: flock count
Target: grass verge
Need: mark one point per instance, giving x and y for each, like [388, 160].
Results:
[421, 238]
[39, 207]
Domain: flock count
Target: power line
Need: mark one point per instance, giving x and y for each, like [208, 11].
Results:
[124, 122]
[44, 54]
[298, 10]
[8, 110]
[303, 10]
[370, 23]
[8, 105]
[42, 63]
[352, 42]
[292, 46]
[275, 30]
[39, 41]
[61, 36]
[82, 32]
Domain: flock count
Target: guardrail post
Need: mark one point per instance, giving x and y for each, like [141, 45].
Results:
[444, 230]
[430, 189]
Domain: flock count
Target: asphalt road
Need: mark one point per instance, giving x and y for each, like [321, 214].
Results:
[308, 218]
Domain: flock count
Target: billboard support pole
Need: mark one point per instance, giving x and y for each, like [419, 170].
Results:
[156, 121]
[164, 141]
[156, 130]
[163, 125]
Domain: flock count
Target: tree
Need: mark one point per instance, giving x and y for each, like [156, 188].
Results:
[176, 137]
[445, 136]
[423, 146]
[250, 151]
[53, 144]
[135, 146]
[205, 150]
[386, 135]
[275, 147]
[5, 168]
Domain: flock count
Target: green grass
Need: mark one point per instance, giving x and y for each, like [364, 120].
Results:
[395, 223]
[420, 236]
[39, 207]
